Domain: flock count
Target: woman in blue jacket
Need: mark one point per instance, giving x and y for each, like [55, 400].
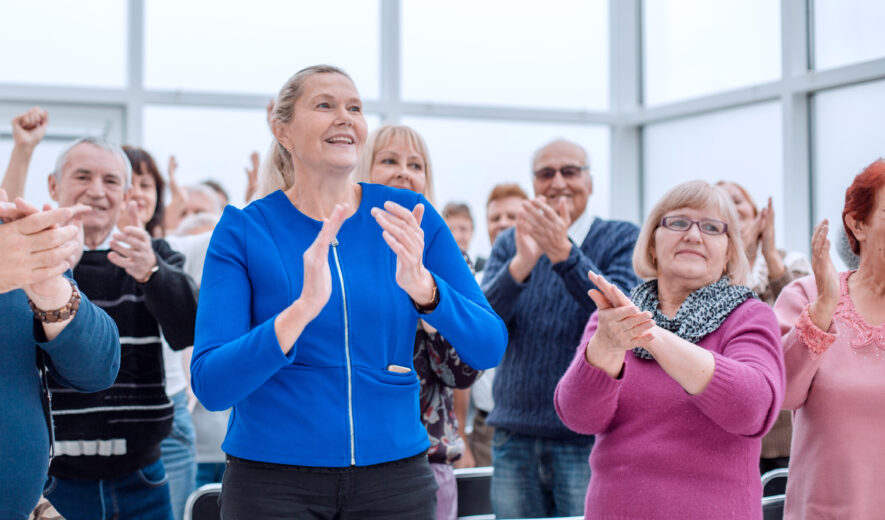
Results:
[307, 317]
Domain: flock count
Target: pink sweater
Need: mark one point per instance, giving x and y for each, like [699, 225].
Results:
[662, 453]
[836, 385]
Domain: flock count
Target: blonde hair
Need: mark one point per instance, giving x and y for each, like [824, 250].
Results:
[278, 172]
[381, 137]
[695, 195]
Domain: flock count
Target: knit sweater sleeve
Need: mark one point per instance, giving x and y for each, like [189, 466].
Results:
[171, 297]
[803, 342]
[231, 357]
[586, 398]
[615, 242]
[85, 356]
[745, 395]
[498, 284]
[463, 315]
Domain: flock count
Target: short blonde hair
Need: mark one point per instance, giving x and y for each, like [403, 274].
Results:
[695, 195]
[382, 136]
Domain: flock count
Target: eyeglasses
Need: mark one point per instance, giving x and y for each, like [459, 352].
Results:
[707, 226]
[568, 172]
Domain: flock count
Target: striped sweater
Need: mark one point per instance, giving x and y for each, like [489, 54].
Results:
[545, 316]
[116, 431]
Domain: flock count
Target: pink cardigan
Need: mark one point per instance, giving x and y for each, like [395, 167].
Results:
[836, 385]
[662, 453]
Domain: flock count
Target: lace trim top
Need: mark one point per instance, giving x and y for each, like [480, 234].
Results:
[864, 334]
[816, 340]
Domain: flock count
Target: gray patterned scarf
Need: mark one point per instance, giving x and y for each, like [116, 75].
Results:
[702, 312]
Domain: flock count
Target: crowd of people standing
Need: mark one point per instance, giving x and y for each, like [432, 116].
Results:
[331, 350]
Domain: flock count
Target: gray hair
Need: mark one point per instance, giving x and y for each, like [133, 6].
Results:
[209, 193]
[560, 140]
[196, 222]
[843, 247]
[99, 142]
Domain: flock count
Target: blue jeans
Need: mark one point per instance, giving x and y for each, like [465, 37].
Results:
[140, 495]
[180, 455]
[536, 477]
[209, 473]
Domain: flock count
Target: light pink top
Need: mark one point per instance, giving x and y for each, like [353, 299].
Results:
[836, 385]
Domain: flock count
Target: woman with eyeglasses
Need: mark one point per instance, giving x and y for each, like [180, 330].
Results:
[680, 381]
[309, 303]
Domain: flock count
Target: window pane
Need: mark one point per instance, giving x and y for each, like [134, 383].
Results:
[470, 157]
[550, 54]
[741, 145]
[847, 31]
[207, 143]
[848, 127]
[233, 46]
[698, 47]
[42, 164]
[210, 143]
[63, 43]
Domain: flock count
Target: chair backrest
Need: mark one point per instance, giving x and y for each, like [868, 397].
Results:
[202, 504]
[474, 491]
[773, 505]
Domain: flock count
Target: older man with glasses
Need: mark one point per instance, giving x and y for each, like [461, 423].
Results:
[536, 280]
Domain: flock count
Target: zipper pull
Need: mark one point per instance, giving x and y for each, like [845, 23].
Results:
[334, 241]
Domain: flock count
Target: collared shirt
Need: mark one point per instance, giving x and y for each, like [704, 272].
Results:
[105, 244]
[577, 232]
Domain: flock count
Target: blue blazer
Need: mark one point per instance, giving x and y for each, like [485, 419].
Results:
[331, 401]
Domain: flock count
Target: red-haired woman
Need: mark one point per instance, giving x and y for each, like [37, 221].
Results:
[834, 351]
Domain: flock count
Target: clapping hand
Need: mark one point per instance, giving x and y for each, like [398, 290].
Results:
[131, 246]
[403, 233]
[317, 287]
[37, 245]
[825, 276]
[622, 326]
[548, 227]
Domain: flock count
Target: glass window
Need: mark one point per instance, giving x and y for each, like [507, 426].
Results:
[550, 54]
[210, 143]
[741, 145]
[698, 47]
[847, 31]
[848, 127]
[42, 164]
[470, 157]
[64, 43]
[231, 46]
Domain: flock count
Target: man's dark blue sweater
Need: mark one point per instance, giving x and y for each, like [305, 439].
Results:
[545, 316]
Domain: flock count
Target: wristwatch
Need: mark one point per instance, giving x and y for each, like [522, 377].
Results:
[434, 301]
[147, 278]
[69, 310]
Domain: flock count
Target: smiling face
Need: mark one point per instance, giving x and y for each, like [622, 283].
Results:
[399, 164]
[576, 190]
[691, 259]
[94, 177]
[501, 214]
[144, 192]
[327, 129]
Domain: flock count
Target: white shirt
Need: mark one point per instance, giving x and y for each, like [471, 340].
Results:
[577, 232]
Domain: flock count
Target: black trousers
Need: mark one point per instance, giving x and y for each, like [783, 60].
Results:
[403, 489]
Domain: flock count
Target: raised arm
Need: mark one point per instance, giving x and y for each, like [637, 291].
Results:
[462, 314]
[805, 314]
[28, 130]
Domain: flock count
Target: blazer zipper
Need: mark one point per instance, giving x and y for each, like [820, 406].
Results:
[346, 352]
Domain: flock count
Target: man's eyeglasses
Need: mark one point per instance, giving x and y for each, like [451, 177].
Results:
[707, 226]
[568, 172]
